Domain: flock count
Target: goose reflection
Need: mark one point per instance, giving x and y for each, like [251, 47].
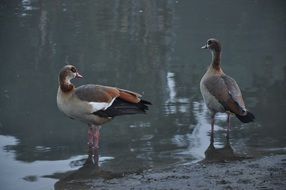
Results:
[90, 170]
[223, 154]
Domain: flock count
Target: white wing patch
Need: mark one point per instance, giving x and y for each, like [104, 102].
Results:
[96, 106]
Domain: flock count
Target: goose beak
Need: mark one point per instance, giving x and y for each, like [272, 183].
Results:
[78, 75]
[204, 47]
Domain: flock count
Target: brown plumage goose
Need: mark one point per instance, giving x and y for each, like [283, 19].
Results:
[221, 92]
[95, 104]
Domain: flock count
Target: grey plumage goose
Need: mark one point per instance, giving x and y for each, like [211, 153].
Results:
[220, 92]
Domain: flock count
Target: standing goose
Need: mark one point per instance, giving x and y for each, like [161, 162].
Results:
[220, 92]
[95, 104]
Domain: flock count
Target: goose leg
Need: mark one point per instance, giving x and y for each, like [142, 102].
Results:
[93, 157]
[212, 123]
[228, 125]
[227, 136]
[93, 136]
[96, 136]
[90, 136]
[212, 138]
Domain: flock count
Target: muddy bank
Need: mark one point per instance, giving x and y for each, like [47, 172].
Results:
[264, 173]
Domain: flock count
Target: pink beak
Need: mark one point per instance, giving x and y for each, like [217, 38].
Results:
[78, 75]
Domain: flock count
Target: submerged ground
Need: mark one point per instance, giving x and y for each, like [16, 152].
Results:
[263, 173]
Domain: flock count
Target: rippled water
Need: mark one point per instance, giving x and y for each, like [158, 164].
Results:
[152, 47]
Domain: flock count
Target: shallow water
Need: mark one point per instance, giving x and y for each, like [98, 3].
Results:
[152, 47]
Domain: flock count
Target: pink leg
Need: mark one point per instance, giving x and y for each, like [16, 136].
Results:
[93, 136]
[93, 143]
[90, 136]
[96, 137]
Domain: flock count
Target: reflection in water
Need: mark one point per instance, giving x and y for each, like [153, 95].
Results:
[36, 175]
[171, 87]
[203, 149]
[27, 6]
[26, 173]
[198, 138]
[174, 104]
[223, 154]
[201, 140]
[90, 169]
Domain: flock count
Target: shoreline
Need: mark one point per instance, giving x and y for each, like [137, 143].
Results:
[268, 172]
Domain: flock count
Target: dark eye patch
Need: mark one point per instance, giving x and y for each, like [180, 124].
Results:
[209, 42]
[73, 69]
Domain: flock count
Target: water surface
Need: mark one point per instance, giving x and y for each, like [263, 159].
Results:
[152, 47]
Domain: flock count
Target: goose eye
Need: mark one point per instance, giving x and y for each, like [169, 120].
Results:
[73, 69]
[209, 42]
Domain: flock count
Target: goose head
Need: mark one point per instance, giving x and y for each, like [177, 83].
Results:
[68, 73]
[213, 45]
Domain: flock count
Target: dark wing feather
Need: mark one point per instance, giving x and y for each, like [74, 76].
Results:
[234, 90]
[122, 107]
[220, 88]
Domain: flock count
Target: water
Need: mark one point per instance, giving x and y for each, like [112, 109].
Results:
[152, 47]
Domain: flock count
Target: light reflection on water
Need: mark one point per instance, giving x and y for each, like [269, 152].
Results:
[198, 140]
[34, 175]
[174, 104]
[199, 137]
